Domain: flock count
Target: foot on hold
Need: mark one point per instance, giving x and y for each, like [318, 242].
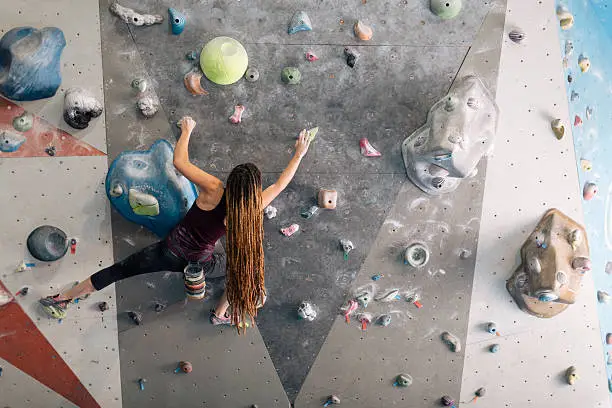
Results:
[290, 230]
[363, 31]
[129, 16]
[299, 22]
[224, 320]
[237, 115]
[351, 56]
[53, 307]
[451, 341]
[193, 84]
[367, 149]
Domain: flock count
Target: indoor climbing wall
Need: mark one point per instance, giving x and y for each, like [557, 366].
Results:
[530, 172]
[75, 361]
[584, 48]
[410, 63]
[411, 344]
[228, 370]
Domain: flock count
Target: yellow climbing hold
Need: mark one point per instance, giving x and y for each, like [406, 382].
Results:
[584, 63]
[586, 165]
[566, 19]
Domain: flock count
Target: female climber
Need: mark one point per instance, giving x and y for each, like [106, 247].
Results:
[235, 209]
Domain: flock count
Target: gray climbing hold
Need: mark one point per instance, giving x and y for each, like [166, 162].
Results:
[129, 16]
[139, 84]
[23, 122]
[416, 255]
[251, 74]
[384, 320]
[136, 317]
[47, 243]
[148, 104]
[299, 22]
[516, 36]
[445, 9]
[80, 106]
[452, 341]
[291, 75]
[10, 141]
[403, 380]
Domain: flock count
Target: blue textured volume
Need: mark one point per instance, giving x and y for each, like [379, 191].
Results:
[145, 188]
[30, 63]
[177, 21]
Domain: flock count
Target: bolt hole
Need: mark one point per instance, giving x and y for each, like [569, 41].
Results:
[176, 20]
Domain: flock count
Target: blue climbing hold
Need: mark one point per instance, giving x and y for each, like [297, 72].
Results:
[10, 141]
[30, 63]
[177, 21]
[299, 22]
[145, 188]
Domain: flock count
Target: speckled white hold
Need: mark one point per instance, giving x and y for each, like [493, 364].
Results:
[129, 16]
[148, 104]
[270, 212]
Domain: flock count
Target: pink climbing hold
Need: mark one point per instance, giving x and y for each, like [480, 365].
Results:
[349, 309]
[237, 116]
[577, 121]
[367, 149]
[589, 191]
[290, 230]
[311, 57]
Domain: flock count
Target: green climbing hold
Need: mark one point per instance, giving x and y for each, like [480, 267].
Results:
[445, 9]
[23, 122]
[291, 75]
[224, 60]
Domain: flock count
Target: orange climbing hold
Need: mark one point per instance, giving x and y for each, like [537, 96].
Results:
[363, 31]
[193, 85]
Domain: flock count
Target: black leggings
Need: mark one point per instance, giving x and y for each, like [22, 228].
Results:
[154, 258]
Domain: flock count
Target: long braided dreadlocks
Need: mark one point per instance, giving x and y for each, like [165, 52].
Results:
[245, 256]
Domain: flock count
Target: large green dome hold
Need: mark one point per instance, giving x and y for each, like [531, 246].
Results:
[224, 60]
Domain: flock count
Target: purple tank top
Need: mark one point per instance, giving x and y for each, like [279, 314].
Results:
[194, 238]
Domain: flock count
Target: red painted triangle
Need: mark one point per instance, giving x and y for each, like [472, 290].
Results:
[25, 347]
[41, 136]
